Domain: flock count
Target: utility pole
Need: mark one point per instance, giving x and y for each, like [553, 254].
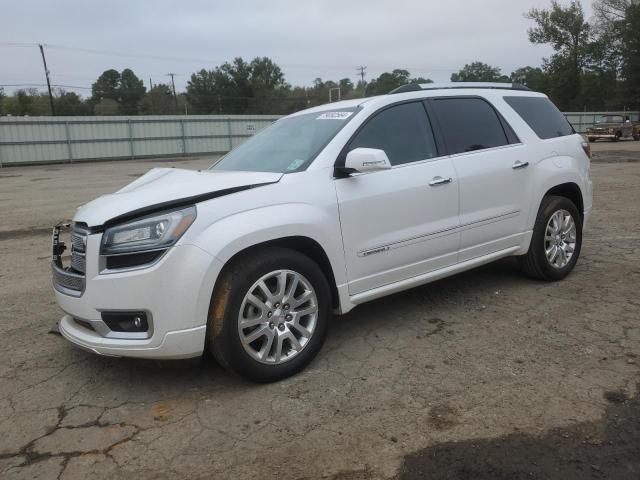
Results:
[173, 87]
[46, 73]
[361, 69]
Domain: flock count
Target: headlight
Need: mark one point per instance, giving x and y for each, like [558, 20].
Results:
[155, 232]
[611, 130]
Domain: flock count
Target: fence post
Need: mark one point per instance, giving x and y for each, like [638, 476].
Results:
[184, 140]
[229, 133]
[68, 136]
[131, 151]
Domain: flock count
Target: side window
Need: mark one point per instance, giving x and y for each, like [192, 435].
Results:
[542, 116]
[402, 131]
[469, 124]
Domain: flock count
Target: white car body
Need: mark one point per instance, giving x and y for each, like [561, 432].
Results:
[379, 232]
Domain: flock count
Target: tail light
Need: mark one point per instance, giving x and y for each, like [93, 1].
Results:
[587, 148]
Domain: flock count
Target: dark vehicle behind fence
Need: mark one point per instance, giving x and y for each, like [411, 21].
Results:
[614, 127]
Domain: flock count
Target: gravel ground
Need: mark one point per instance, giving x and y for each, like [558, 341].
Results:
[483, 375]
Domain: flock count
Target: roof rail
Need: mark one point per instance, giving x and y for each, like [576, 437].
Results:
[414, 87]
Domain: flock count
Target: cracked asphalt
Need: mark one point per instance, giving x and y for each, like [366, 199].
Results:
[487, 374]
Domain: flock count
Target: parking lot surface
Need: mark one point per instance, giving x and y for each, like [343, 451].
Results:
[487, 374]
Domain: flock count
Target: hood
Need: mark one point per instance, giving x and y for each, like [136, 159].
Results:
[606, 125]
[164, 188]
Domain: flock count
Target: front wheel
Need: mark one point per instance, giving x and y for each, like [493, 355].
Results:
[269, 314]
[556, 240]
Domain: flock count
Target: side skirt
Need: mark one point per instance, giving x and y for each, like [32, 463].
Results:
[423, 279]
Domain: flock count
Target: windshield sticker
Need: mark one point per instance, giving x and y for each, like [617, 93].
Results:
[334, 116]
[295, 164]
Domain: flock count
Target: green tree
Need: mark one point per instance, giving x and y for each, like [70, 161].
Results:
[157, 101]
[567, 31]
[2, 97]
[107, 106]
[125, 88]
[391, 80]
[106, 86]
[70, 103]
[239, 87]
[203, 94]
[130, 91]
[532, 77]
[346, 87]
[630, 34]
[268, 86]
[26, 102]
[479, 72]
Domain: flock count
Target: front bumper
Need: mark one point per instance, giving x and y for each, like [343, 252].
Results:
[174, 345]
[609, 136]
[175, 291]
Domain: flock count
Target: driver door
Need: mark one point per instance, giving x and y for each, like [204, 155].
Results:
[401, 222]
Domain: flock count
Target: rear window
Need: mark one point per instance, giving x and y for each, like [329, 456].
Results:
[542, 116]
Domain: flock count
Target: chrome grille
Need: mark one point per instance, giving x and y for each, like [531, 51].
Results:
[67, 280]
[70, 280]
[78, 249]
[78, 261]
[78, 242]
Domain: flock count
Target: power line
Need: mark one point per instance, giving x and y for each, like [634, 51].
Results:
[27, 85]
[218, 61]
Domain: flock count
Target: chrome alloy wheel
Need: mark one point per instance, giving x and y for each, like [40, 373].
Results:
[560, 239]
[278, 316]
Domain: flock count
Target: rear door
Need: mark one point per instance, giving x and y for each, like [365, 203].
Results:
[493, 170]
[401, 222]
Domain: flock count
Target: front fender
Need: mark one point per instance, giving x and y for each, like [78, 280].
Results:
[232, 234]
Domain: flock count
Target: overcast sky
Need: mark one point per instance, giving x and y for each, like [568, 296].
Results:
[307, 38]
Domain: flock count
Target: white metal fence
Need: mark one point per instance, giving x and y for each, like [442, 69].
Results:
[32, 140]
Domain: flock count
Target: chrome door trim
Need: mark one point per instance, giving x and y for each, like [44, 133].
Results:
[438, 233]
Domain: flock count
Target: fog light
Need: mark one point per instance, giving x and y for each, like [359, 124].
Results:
[126, 321]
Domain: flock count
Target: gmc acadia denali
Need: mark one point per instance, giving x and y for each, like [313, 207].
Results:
[326, 209]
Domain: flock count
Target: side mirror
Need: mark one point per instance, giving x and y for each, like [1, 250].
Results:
[366, 160]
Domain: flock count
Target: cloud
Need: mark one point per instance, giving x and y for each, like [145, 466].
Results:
[308, 39]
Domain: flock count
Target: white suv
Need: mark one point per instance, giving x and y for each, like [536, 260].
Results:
[326, 209]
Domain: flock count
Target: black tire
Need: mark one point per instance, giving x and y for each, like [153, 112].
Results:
[616, 137]
[534, 263]
[592, 139]
[223, 338]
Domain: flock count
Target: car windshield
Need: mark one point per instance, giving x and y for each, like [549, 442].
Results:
[610, 119]
[289, 145]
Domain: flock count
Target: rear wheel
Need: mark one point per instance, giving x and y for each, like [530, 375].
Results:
[556, 240]
[269, 314]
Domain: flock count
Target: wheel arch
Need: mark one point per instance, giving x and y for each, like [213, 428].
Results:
[570, 190]
[303, 244]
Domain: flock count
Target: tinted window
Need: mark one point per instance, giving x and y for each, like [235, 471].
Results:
[469, 124]
[542, 116]
[402, 131]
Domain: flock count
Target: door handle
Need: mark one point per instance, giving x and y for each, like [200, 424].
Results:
[439, 181]
[519, 164]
